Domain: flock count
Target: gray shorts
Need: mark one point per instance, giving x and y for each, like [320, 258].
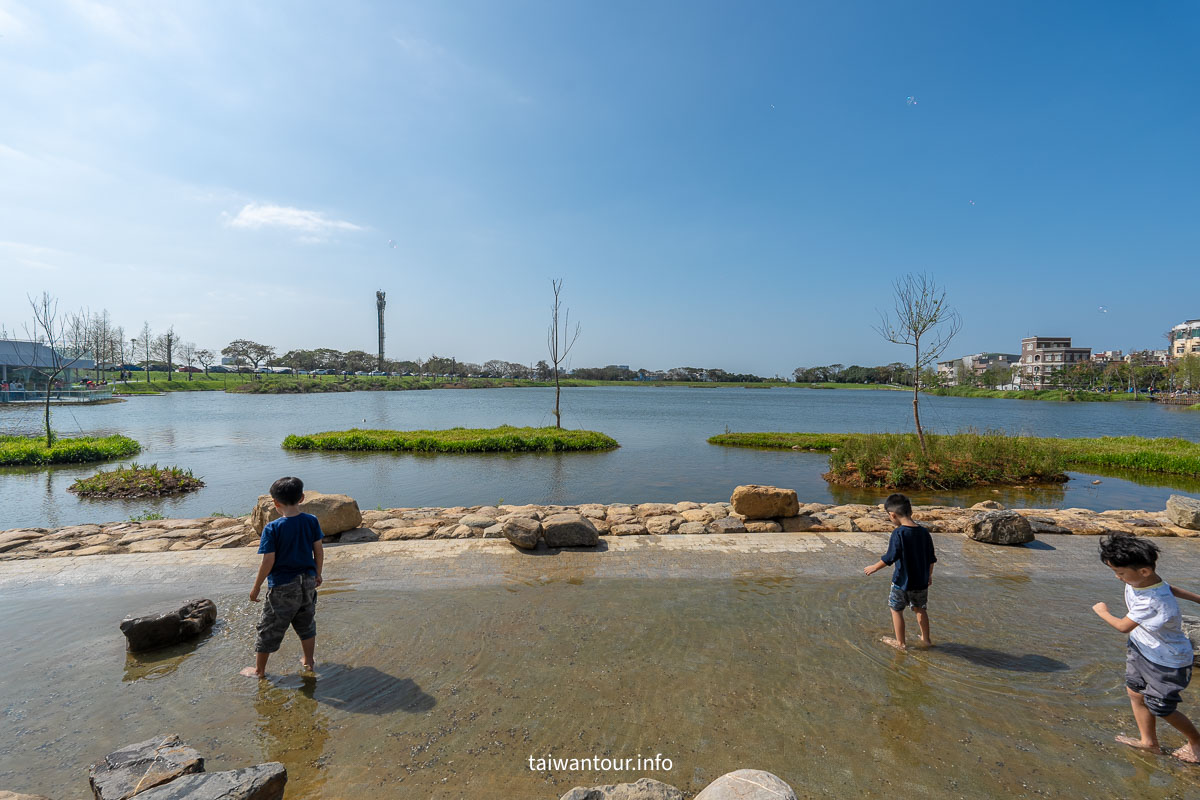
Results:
[291, 604]
[899, 599]
[1159, 686]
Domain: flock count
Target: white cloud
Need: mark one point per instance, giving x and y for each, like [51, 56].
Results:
[314, 225]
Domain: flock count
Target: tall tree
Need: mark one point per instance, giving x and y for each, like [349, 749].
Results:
[142, 344]
[54, 332]
[205, 357]
[926, 323]
[559, 341]
[165, 347]
[187, 354]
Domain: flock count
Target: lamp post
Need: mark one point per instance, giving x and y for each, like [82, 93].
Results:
[132, 349]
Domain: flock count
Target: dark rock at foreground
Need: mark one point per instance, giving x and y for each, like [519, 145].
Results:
[171, 627]
[747, 784]
[1001, 527]
[570, 530]
[264, 782]
[138, 767]
[643, 789]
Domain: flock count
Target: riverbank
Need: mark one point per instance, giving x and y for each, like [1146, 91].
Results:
[1059, 395]
[614, 521]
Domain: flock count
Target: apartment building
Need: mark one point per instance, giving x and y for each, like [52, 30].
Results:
[976, 364]
[1043, 356]
[1185, 338]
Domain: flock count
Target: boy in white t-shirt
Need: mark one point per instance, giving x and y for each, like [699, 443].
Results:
[1158, 661]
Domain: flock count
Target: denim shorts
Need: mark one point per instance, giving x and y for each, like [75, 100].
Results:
[1159, 686]
[899, 599]
[292, 604]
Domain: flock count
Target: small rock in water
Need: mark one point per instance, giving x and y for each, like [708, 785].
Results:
[137, 767]
[643, 789]
[171, 627]
[1095, 483]
[747, 784]
[263, 782]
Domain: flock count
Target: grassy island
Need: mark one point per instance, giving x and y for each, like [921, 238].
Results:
[137, 480]
[505, 439]
[32, 451]
[894, 460]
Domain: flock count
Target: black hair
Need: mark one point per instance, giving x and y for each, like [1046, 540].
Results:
[288, 491]
[1127, 550]
[898, 504]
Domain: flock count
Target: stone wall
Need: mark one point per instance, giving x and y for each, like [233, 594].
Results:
[617, 519]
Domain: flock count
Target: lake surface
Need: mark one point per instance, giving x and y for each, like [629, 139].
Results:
[446, 692]
[233, 442]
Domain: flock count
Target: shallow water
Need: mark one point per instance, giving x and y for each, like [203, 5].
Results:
[448, 692]
[233, 442]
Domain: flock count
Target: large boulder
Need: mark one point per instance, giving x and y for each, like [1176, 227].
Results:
[1184, 511]
[264, 782]
[764, 502]
[642, 789]
[170, 627]
[1000, 527]
[337, 513]
[137, 767]
[747, 784]
[523, 532]
[569, 530]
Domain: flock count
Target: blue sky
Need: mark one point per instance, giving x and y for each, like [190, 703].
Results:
[718, 184]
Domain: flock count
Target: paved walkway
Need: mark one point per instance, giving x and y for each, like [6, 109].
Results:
[439, 563]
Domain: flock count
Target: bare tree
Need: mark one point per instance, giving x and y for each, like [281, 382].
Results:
[141, 345]
[187, 353]
[205, 357]
[923, 322]
[559, 342]
[54, 332]
[165, 346]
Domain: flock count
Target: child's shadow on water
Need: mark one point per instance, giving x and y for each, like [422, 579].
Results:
[996, 659]
[364, 690]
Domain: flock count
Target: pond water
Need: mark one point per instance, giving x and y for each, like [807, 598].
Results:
[233, 442]
[447, 692]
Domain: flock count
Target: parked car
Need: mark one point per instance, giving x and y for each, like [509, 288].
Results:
[301, 372]
[221, 368]
[377, 373]
[189, 369]
[262, 370]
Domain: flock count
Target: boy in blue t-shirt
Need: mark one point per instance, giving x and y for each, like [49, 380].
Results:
[911, 550]
[292, 558]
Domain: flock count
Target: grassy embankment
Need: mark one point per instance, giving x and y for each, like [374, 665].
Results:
[1062, 395]
[894, 460]
[32, 451]
[137, 480]
[505, 439]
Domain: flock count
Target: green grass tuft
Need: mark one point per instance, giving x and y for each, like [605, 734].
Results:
[32, 451]
[505, 439]
[137, 480]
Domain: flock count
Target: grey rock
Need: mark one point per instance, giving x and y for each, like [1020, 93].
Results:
[264, 782]
[1191, 629]
[570, 530]
[991, 505]
[476, 521]
[494, 531]
[523, 532]
[171, 627]
[358, 535]
[797, 524]
[642, 789]
[692, 528]
[1184, 511]
[137, 767]
[1001, 527]
[747, 784]
[1045, 525]
[728, 525]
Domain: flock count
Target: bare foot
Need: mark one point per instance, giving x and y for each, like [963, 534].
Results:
[307, 667]
[927, 643]
[892, 642]
[251, 672]
[1138, 744]
[1186, 755]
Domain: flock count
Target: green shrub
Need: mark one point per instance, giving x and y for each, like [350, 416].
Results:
[505, 439]
[32, 451]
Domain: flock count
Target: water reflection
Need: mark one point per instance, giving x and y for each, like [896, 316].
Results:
[160, 663]
[293, 729]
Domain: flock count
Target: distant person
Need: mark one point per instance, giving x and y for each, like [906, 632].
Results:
[911, 550]
[1158, 655]
[292, 559]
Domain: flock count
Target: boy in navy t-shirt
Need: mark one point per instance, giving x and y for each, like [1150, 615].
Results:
[292, 558]
[911, 550]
